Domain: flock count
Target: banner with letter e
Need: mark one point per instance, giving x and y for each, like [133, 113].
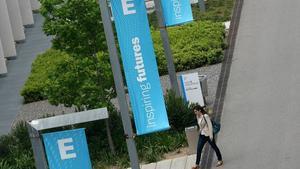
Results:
[67, 150]
[140, 66]
[177, 12]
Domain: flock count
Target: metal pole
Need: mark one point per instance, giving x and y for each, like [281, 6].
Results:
[201, 5]
[115, 64]
[167, 48]
[38, 148]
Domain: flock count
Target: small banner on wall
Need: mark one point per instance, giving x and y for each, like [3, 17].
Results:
[67, 150]
[140, 66]
[177, 12]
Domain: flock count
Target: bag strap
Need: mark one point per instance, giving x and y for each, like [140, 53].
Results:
[201, 122]
[200, 126]
[211, 124]
[205, 120]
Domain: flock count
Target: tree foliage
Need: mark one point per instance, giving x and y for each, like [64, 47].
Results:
[75, 25]
[83, 79]
[83, 82]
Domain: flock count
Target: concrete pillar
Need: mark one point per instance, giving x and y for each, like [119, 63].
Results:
[35, 5]
[26, 12]
[6, 34]
[3, 69]
[15, 20]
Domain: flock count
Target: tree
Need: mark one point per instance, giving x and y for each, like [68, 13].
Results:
[75, 26]
[83, 82]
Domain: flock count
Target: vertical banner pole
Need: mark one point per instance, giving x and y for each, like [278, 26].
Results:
[167, 48]
[114, 60]
[37, 147]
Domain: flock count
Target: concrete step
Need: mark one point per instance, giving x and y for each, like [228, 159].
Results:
[185, 162]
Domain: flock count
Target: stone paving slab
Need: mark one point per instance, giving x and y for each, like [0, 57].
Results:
[190, 162]
[149, 166]
[185, 162]
[179, 163]
[166, 164]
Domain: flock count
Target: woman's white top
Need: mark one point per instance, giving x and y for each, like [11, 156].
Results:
[205, 126]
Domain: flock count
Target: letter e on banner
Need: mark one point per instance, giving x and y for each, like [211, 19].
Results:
[63, 148]
[128, 6]
[67, 149]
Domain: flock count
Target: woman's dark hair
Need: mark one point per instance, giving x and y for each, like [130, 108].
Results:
[200, 108]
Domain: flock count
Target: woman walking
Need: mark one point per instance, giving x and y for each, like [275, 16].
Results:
[206, 135]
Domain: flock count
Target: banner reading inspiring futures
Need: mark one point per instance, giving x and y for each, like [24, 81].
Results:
[177, 12]
[140, 66]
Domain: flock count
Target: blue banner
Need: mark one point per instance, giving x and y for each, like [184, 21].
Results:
[140, 66]
[177, 12]
[67, 150]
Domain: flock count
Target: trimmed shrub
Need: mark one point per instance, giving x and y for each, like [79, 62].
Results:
[16, 153]
[16, 149]
[216, 10]
[180, 113]
[151, 148]
[193, 45]
[34, 88]
[5, 165]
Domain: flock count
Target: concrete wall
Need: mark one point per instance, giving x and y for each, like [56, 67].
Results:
[26, 12]
[15, 20]
[35, 5]
[3, 69]
[6, 34]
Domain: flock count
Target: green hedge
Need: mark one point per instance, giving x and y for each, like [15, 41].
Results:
[34, 88]
[181, 115]
[193, 45]
[216, 10]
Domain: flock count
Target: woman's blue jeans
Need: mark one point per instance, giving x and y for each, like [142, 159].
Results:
[201, 142]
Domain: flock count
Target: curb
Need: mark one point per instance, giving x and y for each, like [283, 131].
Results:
[224, 76]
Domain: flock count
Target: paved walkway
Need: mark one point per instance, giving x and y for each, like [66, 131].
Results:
[186, 162]
[18, 71]
[260, 122]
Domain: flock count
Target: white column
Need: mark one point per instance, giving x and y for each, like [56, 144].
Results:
[3, 69]
[15, 19]
[35, 5]
[26, 12]
[6, 34]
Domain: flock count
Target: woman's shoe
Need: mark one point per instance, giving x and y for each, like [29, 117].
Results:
[219, 163]
[196, 167]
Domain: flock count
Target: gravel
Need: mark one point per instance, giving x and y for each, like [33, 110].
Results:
[42, 109]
